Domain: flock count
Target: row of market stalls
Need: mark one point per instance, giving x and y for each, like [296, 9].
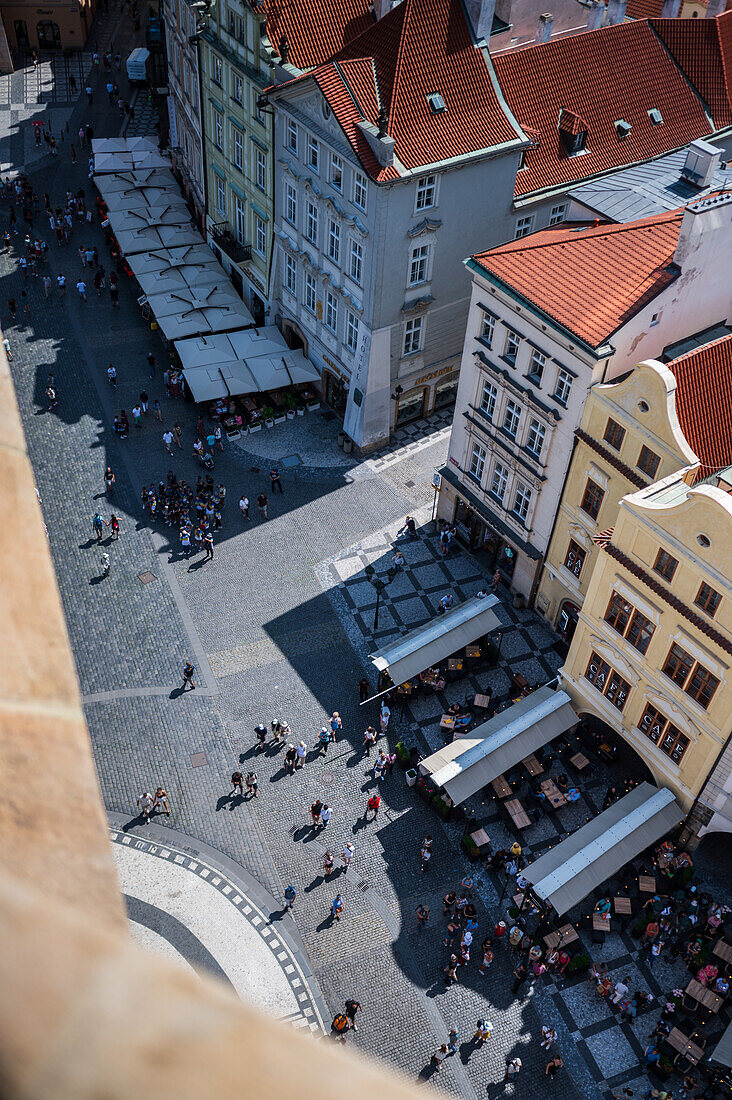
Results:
[574, 868]
[186, 292]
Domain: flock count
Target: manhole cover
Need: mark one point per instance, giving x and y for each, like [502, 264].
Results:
[289, 461]
[327, 778]
[146, 577]
[363, 886]
[293, 830]
[410, 484]
[198, 759]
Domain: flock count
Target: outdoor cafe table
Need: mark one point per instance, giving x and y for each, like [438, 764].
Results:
[517, 814]
[622, 906]
[566, 934]
[472, 651]
[501, 786]
[723, 951]
[580, 761]
[455, 664]
[646, 884]
[532, 765]
[703, 996]
[553, 793]
[600, 923]
[483, 701]
[684, 1045]
[448, 721]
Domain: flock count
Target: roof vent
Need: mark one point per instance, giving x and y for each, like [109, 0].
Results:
[436, 102]
[622, 127]
[702, 161]
[655, 116]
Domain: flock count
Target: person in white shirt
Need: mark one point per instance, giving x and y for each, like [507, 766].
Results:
[325, 815]
[81, 288]
[301, 752]
[619, 992]
[385, 716]
[244, 507]
[145, 804]
[168, 441]
[347, 855]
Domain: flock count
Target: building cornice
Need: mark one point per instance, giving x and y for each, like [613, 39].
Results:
[611, 459]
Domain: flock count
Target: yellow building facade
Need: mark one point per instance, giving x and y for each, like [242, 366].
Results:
[628, 437]
[652, 651]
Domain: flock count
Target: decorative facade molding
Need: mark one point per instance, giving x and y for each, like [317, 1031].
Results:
[427, 225]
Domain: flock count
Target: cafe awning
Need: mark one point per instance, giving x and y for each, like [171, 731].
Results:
[126, 154]
[722, 1053]
[210, 383]
[231, 353]
[159, 179]
[572, 869]
[145, 199]
[172, 280]
[503, 741]
[434, 641]
[447, 754]
[152, 239]
[149, 217]
[195, 255]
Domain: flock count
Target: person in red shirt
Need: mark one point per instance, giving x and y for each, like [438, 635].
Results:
[373, 804]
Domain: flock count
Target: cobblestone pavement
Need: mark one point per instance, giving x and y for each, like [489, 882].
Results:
[278, 624]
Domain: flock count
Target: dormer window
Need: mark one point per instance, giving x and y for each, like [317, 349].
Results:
[655, 116]
[622, 127]
[436, 102]
[572, 132]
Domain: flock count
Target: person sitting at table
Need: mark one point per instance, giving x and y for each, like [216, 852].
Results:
[692, 952]
[603, 906]
[573, 794]
[536, 794]
[707, 974]
[611, 796]
[481, 593]
[721, 986]
[603, 986]
[455, 708]
[562, 782]
[562, 962]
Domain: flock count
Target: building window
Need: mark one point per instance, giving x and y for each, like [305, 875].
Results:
[426, 192]
[563, 386]
[640, 632]
[239, 150]
[290, 274]
[291, 136]
[351, 331]
[634, 626]
[477, 462]
[261, 170]
[511, 347]
[618, 613]
[359, 190]
[690, 676]
[218, 77]
[291, 204]
[336, 172]
[413, 335]
[658, 729]
[511, 417]
[355, 264]
[220, 196]
[236, 95]
[260, 235]
[313, 153]
[331, 311]
[487, 328]
[524, 226]
[334, 241]
[608, 682]
[309, 292]
[488, 399]
[418, 264]
[535, 440]
[707, 599]
[592, 499]
[614, 434]
[218, 130]
[558, 214]
[537, 362]
[575, 558]
[311, 222]
[665, 565]
[499, 481]
[521, 500]
[648, 462]
[240, 223]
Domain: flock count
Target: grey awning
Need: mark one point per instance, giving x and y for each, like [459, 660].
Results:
[429, 644]
[722, 1053]
[573, 868]
[503, 741]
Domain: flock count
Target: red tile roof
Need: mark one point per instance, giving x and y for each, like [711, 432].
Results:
[617, 72]
[590, 280]
[315, 29]
[418, 47]
[704, 402]
[702, 48]
[644, 9]
[570, 123]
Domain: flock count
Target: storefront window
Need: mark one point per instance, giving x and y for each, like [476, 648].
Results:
[446, 392]
[411, 405]
[479, 536]
[336, 392]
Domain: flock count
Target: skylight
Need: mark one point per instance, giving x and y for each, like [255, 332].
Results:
[436, 102]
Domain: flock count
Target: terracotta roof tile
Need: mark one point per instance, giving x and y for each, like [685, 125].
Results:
[570, 123]
[704, 402]
[315, 29]
[702, 48]
[590, 280]
[644, 9]
[420, 46]
[617, 72]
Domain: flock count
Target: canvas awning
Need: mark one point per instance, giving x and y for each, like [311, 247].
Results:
[159, 179]
[447, 754]
[180, 279]
[434, 641]
[149, 217]
[503, 741]
[722, 1053]
[127, 154]
[209, 383]
[576, 866]
[154, 200]
[151, 263]
[151, 239]
[230, 351]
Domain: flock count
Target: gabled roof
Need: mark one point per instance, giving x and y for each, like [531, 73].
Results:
[704, 402]
[644, 9]
[314, 29]
[590, 280]
[419, 47]
[602, 76]
[702, 48]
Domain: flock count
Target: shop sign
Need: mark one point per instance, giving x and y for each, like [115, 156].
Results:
[434, 374]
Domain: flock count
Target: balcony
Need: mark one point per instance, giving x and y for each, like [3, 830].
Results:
[222, 236]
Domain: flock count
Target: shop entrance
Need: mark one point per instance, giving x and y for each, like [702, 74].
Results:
[567, 621]
[446, 392]
[49, 36]
[21, 34]
[336, 392]
[479, 537]
[256, 305]
[410, 406]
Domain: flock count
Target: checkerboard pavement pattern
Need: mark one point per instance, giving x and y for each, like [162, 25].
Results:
[412, 438]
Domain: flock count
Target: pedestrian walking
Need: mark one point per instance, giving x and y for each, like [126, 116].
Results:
[151, 364]
[218, 436]
[452, 1037]
[513, 1068]
[439, 1057]
[144, 402]
[106, 564]
[252, 785]
[301, 750]
[336, 908]
[324, 738]
[373, 805]
[262, 504]
[487, 960]
[61, 283]
[328, 863]
[450, 971]
[384, 718]
[335, 724]
[114, 524]
[47, 285]
[426, 853]
[81, 290]
[316, 808]
[519, 976]
[237, 783]
[495, 580]
[137, 416]
[548, 1036]
[145, 804]
[483, 1029]
[339, 1027]
[188, 670]
[290, 758]
[363, 689]
[347, 854]
[260, 733]
[244, 506]
[290, 895]
[352, 1009]
[274, 477]
[160, 798]
[409, 528]
[158, 412]
[553, 1067]
[325, 815]
[90, 94]
[208, 544]
[423, 915]
[13, 307]
[98, 526]
[109, 481]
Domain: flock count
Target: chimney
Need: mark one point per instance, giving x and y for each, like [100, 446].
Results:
[382, 145]
[544, 27]
[706, 218]
[715, 8]
[381, 7]
[671, 9]
[481, 14]
[615, 12]
[596, 16]
[702, 161]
